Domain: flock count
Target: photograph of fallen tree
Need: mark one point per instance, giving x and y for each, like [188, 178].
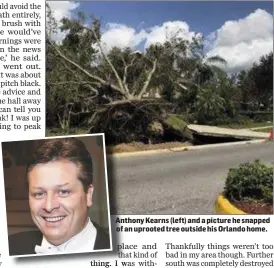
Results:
[182, 90]
[147, 96]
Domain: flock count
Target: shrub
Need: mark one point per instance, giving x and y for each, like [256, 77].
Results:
[221, 120]
[263, 118]
[187, 117]
[258, 118]
[243, 120]
[226, 120]
[250, 182]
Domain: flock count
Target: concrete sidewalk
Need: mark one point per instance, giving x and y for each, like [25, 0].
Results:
[244, 134]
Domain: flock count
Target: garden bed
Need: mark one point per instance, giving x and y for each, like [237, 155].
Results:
[254, 208]
[138, 146]
[249, 188]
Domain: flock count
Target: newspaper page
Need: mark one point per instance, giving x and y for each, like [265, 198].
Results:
[98, 168]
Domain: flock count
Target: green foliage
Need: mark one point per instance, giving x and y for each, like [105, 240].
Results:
[242, 120]
[209, 104]
[256, 84]
[189, 118]
[225, 120]
[250, 182]
[221, 120]
[178, 123]
[263, 118]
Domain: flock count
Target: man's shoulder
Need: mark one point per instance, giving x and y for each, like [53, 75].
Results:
[24, 243]
[102, 240]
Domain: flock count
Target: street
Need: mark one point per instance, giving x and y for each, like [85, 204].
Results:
[185, 182]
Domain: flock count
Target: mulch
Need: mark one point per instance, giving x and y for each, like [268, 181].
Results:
[138, 146]
[254, 208]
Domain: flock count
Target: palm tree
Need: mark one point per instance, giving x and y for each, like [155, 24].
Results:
[209, 104]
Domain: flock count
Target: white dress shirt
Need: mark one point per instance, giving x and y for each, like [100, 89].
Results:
[82, 242]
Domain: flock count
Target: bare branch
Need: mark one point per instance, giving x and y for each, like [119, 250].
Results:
[144, 89]
[119, 80]
[121, 91]
[132, 101]
[74, 82]
[69, 106]
[90, 120]
[187, 82]
[182, 86]
[78, 83]
[80, 113]
[75, 64]
[125, 71]
[93, 90]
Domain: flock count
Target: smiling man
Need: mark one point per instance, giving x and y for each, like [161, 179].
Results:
[60, 176]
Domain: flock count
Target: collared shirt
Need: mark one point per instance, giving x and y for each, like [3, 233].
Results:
[82, 242]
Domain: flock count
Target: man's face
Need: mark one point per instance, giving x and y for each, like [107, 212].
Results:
[58, 202]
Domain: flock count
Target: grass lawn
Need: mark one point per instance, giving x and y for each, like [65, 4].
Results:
[264, 129]
[248, 125]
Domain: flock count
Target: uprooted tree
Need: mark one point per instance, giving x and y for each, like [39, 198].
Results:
[114, 92]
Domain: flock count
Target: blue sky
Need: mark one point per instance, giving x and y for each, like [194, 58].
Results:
[239, 31]
[202, 16]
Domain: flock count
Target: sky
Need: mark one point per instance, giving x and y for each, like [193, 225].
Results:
[239, 31]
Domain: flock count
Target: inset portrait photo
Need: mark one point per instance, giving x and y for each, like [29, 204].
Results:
[56, 193]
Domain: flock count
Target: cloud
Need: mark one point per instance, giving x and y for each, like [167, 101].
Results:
[240, 42]
[121, 36]
[169, 29]
[61, 9]
[244, 41]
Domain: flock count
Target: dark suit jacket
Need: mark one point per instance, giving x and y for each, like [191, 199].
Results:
[25, 242]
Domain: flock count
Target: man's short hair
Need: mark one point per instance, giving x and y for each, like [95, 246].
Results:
[70, 149]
